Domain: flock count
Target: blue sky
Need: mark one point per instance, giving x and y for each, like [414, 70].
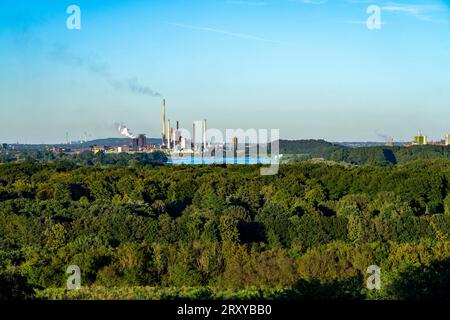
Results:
[308, 67]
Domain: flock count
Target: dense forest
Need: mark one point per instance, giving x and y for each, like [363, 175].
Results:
[85, 158]
[163, 232]
[301, 150]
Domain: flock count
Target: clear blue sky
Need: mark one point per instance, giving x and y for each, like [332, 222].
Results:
[308, 67]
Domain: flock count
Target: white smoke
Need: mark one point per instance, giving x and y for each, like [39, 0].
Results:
[385, 137]
[61, 52]
[123, 130]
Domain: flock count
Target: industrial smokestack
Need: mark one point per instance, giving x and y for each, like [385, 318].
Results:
[204, 134]
[164, 122]
[178, 134]
[169, 138]
[193, 136]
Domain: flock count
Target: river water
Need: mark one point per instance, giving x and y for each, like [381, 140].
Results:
[217, 160]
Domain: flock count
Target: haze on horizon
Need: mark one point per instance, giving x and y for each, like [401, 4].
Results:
[310, 68]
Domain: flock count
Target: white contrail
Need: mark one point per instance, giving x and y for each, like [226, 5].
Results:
[224, 32]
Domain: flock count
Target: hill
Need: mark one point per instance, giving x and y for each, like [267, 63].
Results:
[106, 142]
[300, 150]
[314, 148]
[114, 142]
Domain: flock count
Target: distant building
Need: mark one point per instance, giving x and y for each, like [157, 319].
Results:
[152, 147]
[124, 148]
[3, 148]
[184, 143]
[97, 149]
[447, 139]
[440, 143]
[420, 140]
[57, 149]
[140, 143]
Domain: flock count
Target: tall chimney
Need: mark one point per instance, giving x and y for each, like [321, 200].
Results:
[169, 138]
[204, 134]
[193, 136]
[164, 122]
[178, 134]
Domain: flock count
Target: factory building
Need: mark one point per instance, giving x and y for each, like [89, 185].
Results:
[98, 149]
[420, 139]
[184, 143]
[173, 140]
[140, 143]
[124, 148]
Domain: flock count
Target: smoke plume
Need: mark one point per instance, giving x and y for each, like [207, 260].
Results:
[62, 54]
[123, 130]
[386, 138]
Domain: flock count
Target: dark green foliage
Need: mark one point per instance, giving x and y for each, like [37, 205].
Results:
[13, 284]
[86, 158]
[309, 232]
[313, 148]
[301, 150]
[430, 282]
